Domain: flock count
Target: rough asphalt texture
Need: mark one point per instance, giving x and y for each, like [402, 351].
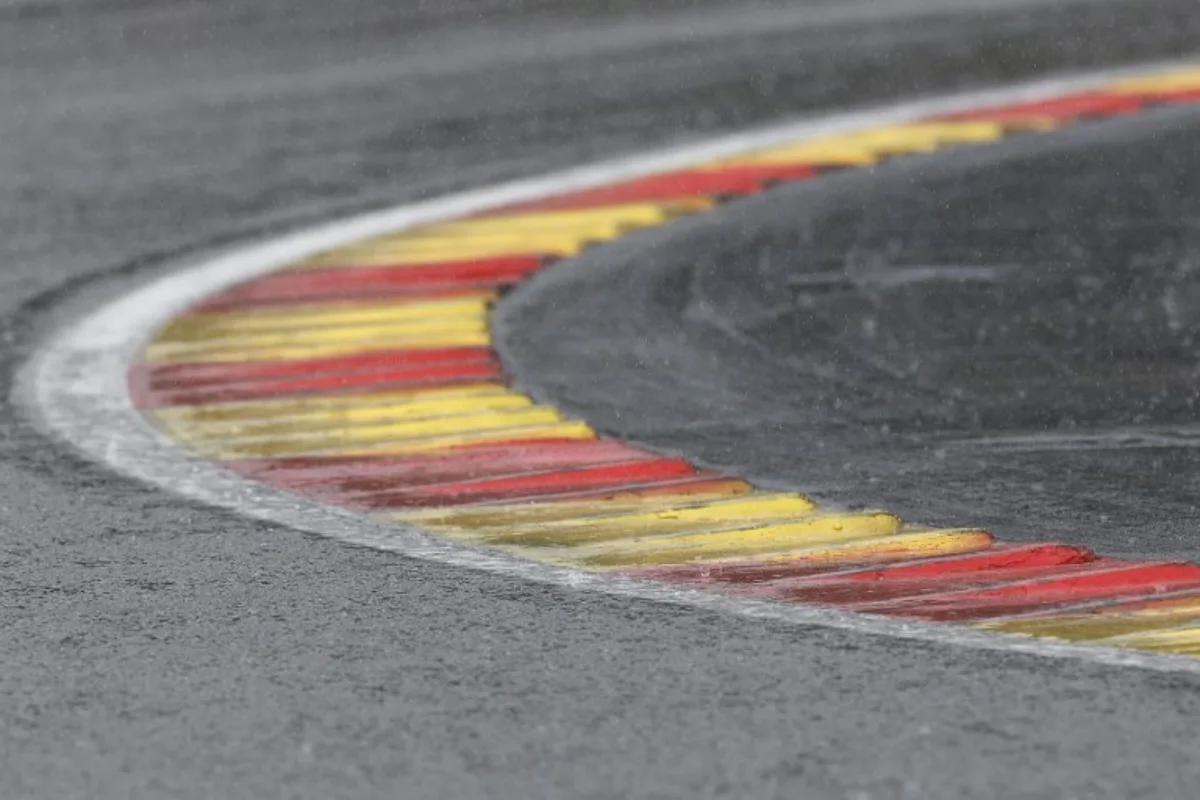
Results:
[153, 649]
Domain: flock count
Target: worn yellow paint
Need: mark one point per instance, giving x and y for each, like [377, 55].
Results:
[331, 422]
[726, 542]
[168, 349]
[627, 216]
[1182, 640]
[436, 239]
[924, 137]
[199, 327]
[253, 411]
[821, 152]
[862, 148]
[1104, 623]
[495, 515]
[477, 336]
[555, 227]
[903, 546]
[314, 442]
[577, 532]
[560, 233]
[453, 248]
[1177, 80]
[569, 429]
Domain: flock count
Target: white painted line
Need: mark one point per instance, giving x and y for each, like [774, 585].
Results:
[74, 387]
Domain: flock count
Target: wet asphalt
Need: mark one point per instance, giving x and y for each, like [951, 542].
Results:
[150, 648]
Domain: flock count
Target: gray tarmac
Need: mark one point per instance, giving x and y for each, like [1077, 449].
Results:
[151, 648]
[1002, 336]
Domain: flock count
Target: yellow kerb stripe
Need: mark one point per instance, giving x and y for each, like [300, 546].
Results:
[252, 340]
[313, 442]
[630, 217]
[862, 148]
[549, 233]
[431, 251]
[726, 543]
[903, 546]
[719, 514]
[928, 136]
[343, 420]
[478, 336]
[1179, 80]
[197, 327]
[1102, 623]
[490, 515]
[1181, 640]
[251, 411]
[558, 430]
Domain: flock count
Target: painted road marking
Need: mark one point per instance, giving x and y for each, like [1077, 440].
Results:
[584, 529]
[446, 259]
[998, 582]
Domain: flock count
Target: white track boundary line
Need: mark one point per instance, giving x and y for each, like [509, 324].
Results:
[74, 387]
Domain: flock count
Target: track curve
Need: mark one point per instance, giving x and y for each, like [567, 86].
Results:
[361, 375]
[163, 649]
[999, 334]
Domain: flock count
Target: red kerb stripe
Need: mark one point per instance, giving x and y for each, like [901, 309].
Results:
[528, 487]
[349, 282]
[186, 375]
[1105, 580]
[414, 377]
[353, 476]
[732, 181]
[997, 566]
[1087, 104]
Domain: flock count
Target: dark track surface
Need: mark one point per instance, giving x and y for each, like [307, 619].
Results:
[1003, 336]
[153, 649]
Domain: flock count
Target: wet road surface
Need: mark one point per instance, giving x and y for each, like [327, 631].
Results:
[155, 649]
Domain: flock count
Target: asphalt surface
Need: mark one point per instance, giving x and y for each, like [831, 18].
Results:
[1001, 336]
[149, 648]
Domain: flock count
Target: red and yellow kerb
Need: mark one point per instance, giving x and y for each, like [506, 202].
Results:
[364, 377]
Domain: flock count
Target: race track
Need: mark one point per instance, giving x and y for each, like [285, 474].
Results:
[156, 648]
[998, 336]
